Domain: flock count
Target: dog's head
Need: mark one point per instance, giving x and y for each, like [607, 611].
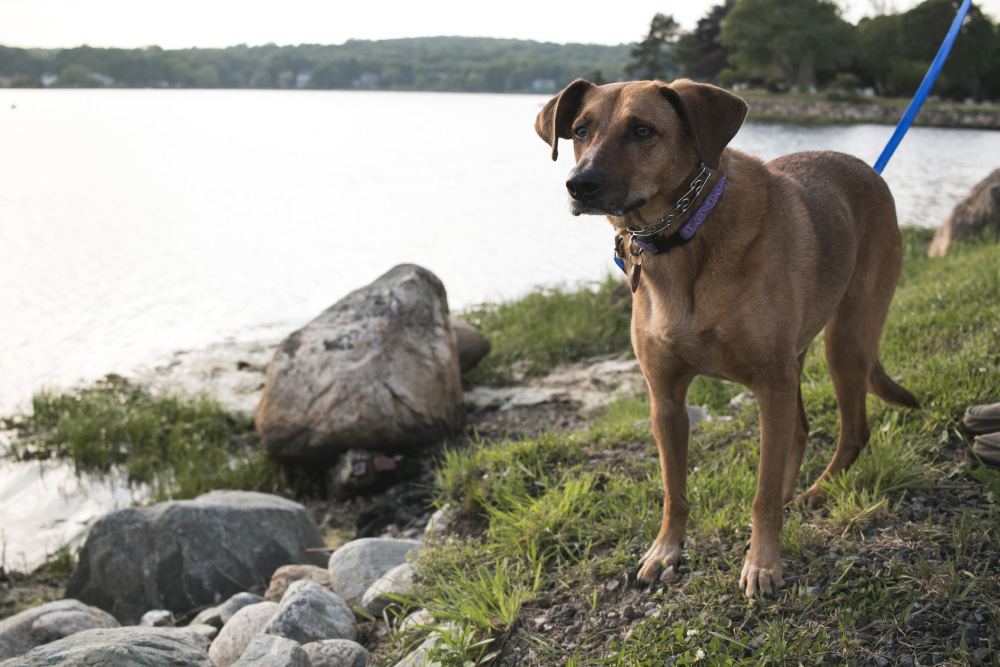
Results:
[638, 142]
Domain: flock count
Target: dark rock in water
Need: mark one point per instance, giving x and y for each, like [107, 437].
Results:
[472, 344]
[136, 646]
[978, 212]
[186, 554]
[47, 623]
[272, 651]
[377, 370]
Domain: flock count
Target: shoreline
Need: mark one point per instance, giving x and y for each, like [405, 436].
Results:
[949, 116]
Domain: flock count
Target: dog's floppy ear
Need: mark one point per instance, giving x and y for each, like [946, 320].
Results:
[555, 120]
[713, 115]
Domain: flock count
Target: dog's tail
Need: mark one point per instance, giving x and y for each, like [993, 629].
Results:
[885, 388]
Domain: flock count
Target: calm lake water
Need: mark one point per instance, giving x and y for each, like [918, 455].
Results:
[137, 223]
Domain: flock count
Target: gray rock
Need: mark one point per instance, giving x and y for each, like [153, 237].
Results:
[286, 575]
[211, 616]
[356, 565]
[185, 554]
[397, 581]
[420, 655]
[157, 618]
[977, 212]
[202, 634]
[136, 646]
[309, 612]
[472, 344]
[337, 653]
[229, 608]
[47, 623]
[377, 370]
[271, 651]
[236, 635]
[440, 522]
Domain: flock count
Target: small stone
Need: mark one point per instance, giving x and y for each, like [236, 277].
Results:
[271, 651]
[668, 575]
[157, 618]
[309, 612]
[286, 575]
[611, 585]
[396, 582]
[337, 653]
[229, 608]
[236, 635]
[357, 564]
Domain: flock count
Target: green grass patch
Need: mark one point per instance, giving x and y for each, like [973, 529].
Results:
[547, 327]
[181, 446]
[870, 574]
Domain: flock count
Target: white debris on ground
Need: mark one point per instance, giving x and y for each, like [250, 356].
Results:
[590, 384]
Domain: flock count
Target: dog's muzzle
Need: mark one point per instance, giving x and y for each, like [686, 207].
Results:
[586, 186]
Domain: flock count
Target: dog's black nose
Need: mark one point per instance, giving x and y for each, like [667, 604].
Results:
[585, 185]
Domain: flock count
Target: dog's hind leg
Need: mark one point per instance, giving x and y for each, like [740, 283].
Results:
[852, 339]
[794, 461]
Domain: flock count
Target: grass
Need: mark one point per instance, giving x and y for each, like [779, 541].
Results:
[180, 446]
[549, 327]
[906, 546]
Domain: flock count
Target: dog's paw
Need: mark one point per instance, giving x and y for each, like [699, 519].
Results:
[813, 497]
[659, 556]
[755, 579]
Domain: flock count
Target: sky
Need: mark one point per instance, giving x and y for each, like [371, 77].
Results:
[176, 24]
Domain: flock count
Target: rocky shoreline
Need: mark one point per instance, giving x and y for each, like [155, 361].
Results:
[831, 111]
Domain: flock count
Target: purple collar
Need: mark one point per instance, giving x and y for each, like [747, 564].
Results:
[657, 244]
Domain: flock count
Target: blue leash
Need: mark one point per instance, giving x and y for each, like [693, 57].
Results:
[925, 88]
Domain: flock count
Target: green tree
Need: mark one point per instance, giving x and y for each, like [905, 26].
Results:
[897, 49]
[699, 51]
[787, 41]
[75, 76]
[650, 58]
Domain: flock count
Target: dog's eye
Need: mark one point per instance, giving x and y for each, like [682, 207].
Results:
[580, 132]
[642, 131]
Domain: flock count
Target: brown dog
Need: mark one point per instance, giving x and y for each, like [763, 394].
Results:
[804, 242]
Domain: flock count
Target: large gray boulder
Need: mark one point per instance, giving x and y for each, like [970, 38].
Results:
[377, 370]
[185, 554]
[47, 623]
[977, 212]
[136, 646]
[358, 564]
[309, 612]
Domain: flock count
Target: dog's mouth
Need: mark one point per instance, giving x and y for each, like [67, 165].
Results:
[603, 207]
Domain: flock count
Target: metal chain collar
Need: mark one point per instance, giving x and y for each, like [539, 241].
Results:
[683, 204]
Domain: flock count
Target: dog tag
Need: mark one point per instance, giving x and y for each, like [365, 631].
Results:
[633, 277]
[620, 262]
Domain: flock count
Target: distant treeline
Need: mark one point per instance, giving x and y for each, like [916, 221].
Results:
[432, 63]
[783, 45]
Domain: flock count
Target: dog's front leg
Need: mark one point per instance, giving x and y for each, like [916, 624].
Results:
[668, 414]
[778, 405]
